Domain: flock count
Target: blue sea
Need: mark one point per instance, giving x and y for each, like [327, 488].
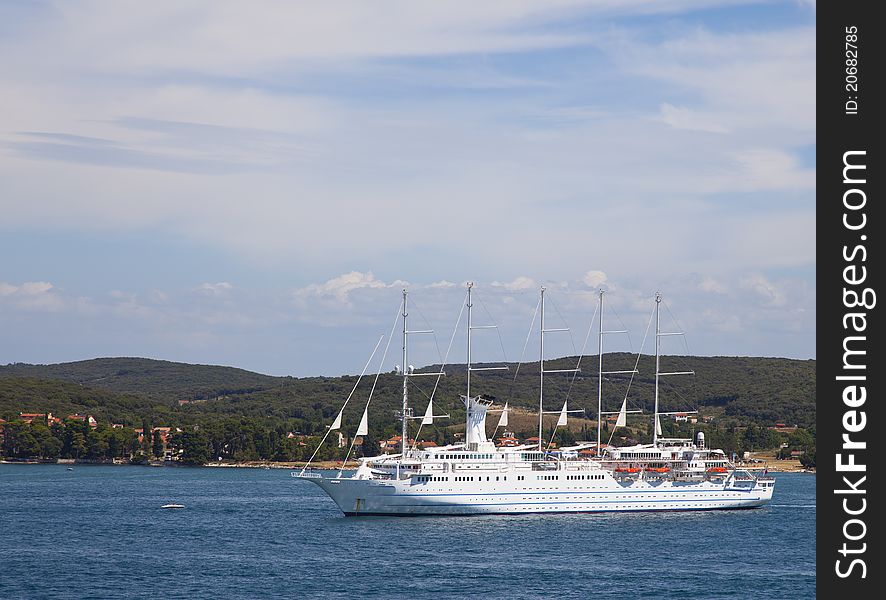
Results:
[99, 532]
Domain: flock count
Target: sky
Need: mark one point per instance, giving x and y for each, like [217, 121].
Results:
[254, 184]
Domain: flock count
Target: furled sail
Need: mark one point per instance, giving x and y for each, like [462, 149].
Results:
[363, 428]
[622, 419]
[337, 423]
[657, 426]
[428, 419]
[561, 422]
[503, 419]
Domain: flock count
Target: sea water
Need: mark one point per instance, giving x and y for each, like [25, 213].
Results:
[99, 532]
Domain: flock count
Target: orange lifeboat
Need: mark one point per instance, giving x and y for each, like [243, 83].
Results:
[627, 470]
[659, 469]
[717, 470]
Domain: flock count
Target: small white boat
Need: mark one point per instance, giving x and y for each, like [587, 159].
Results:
[173, 506]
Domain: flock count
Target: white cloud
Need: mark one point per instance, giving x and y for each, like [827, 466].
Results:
[28, 288]
[214, 289]
[766, 168]
[254, 327]
[520, 283]
[442, 284]
[709, 284]
[594, 279]
[31, 296]
[340, 287]
[685, 118]
[768, 292]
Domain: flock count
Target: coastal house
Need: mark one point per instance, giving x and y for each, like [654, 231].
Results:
[294, 435]
[685, 418]
[507, 441]
[164, 433]
[783, 428]
[88, 419]
[184, 401]
[394, 443]
[45, 418]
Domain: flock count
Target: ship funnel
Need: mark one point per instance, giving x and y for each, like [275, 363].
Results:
[699, 439]
[475, 432]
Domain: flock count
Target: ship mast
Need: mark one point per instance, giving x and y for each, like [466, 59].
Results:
[600, 373]
[470, 327]
[541, 367]
[657, 370]
[409, 371]
[403, 444]
[468, 402]
[600, 378]
[658, 373]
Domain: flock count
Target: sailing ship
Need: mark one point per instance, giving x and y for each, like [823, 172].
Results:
[476, 477]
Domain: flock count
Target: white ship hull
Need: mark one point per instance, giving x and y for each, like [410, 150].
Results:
[404, 498]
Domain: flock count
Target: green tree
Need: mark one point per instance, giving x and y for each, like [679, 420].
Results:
[195, 447]
[565, 437]
[370, 446]
[801, 439]
[157, 446]
[97, 444]
[807, 459]
[78, 444]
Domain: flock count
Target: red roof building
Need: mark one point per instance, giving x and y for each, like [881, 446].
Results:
[29, 417]
[508, 442]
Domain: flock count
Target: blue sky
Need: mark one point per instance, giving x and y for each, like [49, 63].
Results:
[252, 185]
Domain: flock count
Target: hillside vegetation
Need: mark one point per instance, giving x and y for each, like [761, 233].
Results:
[736, 390]
[239, 415]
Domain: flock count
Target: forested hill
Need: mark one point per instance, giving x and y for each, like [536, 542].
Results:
[161, 378]
[737, 390]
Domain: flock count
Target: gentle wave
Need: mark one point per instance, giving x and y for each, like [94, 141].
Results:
[257, 533]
